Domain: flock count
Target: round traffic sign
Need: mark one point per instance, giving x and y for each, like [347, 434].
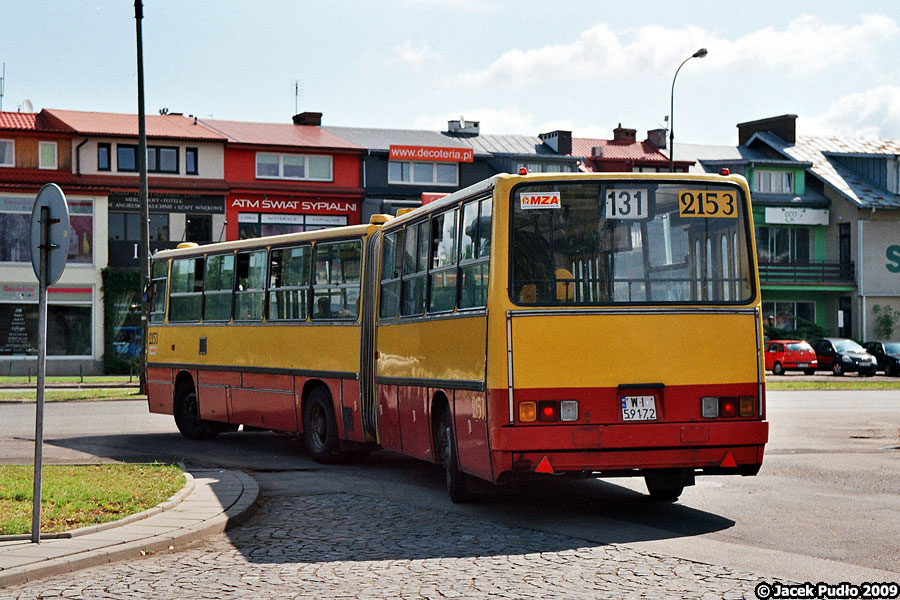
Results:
[57, 242]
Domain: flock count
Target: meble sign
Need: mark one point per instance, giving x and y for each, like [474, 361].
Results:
[533, 200]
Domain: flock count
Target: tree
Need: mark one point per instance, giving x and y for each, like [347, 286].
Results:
[886, 319]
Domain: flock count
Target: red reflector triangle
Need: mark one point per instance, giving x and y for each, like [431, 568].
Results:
[544, 466]
[728, 461]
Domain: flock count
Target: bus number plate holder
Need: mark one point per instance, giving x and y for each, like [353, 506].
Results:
[638, 408]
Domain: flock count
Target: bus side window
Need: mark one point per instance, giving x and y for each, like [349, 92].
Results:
[442, 277]
[250, 293]
[474, 257]
[219, 283]
[186, 291]
[391, 258]
[415, 259]
[289, 283]
[159, 281]
[337, 280]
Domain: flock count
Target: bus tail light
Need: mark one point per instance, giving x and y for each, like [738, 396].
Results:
[712, 407]
[548, 411]
[527, 412]
[568, 410]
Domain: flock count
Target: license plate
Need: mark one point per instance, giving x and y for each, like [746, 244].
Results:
[638, 408]
[802, 365]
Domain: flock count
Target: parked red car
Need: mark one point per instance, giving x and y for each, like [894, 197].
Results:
[790, 355]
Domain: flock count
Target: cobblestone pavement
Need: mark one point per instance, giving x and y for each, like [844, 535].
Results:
[353, 546]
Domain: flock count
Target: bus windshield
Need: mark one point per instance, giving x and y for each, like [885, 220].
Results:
[629, 242]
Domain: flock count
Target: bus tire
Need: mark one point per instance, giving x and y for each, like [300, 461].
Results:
[663, 489]
[320, 426]
[457, 481]
[187, 418]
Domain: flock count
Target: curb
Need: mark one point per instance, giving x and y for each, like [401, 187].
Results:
[106, 552]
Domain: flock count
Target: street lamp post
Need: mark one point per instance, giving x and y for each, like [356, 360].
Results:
[698, 54]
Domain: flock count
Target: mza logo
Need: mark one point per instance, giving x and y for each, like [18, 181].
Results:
[532, 200]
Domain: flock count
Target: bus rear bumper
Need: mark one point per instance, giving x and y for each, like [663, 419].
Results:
[714, 448]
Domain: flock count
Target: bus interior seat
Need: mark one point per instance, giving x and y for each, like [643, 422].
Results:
[565, 287]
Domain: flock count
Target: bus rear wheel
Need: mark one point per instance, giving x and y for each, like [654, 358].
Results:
[456, 480]
[320, 426]
[188, 421]
[663, 489]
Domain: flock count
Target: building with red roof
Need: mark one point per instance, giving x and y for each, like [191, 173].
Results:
[287, 177]
[624, 154]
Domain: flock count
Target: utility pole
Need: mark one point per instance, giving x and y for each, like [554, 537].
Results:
[144, 252]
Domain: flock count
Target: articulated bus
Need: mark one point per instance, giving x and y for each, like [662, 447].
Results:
[585, 325]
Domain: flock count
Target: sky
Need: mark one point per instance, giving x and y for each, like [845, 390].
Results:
[518, 67]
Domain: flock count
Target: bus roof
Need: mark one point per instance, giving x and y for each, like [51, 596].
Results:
[491, 182]
[273, 240]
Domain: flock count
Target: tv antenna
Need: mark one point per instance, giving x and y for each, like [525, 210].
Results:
[296, 96]
[2, 83]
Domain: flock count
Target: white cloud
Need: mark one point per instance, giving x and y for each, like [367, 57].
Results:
[872, 113]
[804, 45]
[416, 57]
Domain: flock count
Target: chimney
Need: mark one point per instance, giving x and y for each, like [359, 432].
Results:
[308, 118]
[624, 136]
[784, 126]
[657, 137]
[559, 141]
[463, 128]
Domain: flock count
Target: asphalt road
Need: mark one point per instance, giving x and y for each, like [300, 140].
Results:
[824, 507]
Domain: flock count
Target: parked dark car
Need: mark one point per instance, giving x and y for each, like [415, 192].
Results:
[888, 356]
[840, 355]
[790, 355]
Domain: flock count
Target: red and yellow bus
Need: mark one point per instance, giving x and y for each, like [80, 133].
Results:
[527, 326]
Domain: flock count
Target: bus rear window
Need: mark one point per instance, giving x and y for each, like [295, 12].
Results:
[629, 242]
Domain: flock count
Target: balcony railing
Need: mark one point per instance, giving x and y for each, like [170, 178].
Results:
[807, 272]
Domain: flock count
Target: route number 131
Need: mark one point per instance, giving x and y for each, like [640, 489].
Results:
[622, 204]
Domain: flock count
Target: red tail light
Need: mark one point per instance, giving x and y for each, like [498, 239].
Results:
[728, 407]
[548, 411]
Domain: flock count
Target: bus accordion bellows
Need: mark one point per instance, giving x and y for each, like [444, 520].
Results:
[527, 326]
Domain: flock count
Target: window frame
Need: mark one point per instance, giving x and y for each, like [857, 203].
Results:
[12, 144]
[768, 176]
[108, 147]
[173, 295]
[242, 293]
[123, 147]
[411, 170]
[452, 265]
[154, 165]
[229, 291]
[329, 285]
[159, 316]
[305, 289]
[480, 260]
[195, 152]
[45, 144]
[306, 166]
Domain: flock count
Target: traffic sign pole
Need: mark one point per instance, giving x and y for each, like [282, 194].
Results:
[41, 371]
[49, 252]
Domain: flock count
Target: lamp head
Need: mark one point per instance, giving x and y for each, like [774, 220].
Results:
[700, 53]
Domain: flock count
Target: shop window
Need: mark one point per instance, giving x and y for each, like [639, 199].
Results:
[250, 292]
[69, 329]
[190, 161]
[293, 166]
[198, 228]
[47, 155]
[126, 227]
[337, 277]
[289, 283]
[789, 315]
[419, 173]
[15, 225]
[103, 157]
[7, 153]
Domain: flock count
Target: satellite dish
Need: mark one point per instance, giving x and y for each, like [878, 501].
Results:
[27, 106]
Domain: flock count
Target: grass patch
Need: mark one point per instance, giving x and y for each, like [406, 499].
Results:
[74, 496]
[24, 379]
[87, 395]
[842, 383]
